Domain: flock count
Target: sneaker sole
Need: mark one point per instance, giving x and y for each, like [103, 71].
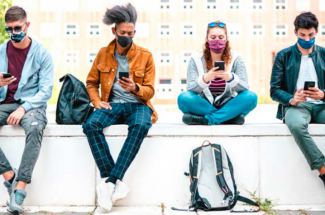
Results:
[99, 202]
[14, 211]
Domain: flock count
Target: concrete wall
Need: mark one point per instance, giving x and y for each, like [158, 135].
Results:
[265, 158]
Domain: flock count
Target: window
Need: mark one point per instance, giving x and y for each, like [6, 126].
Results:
[211, 4]
[142, 30]
[322, 5]
[235, 30]
[49, 5]
[234, 5]
[188, 30]
[165, 89]
[280, 4]
[71, 58]
[281, 31]
[258, 30]
[140, 5]
[165, 5]
[71, 5]
[322, 30]
[26, 4]
[303, 5]
[257, 4]
[183, 85]
[164, 30]
[188, 5]
[91, 55]
[94, 30]
[95, 5]
[47, 30]
[165, 58]
[71, 30]
[185, 57]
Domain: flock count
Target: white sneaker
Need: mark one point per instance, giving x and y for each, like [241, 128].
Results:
[121, 191]
[105, 192]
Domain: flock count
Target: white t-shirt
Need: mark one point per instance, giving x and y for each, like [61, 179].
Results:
[307, 72]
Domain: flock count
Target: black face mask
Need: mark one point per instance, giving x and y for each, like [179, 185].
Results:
[124, 41]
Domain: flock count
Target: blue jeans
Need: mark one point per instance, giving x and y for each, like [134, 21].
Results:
[136, 116]
[243, 103]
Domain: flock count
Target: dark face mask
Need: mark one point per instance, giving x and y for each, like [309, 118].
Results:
[124, 41]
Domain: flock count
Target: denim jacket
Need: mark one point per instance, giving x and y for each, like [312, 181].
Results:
[36, 83]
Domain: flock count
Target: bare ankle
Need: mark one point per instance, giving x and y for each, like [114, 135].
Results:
[322, 170]
[8, 175]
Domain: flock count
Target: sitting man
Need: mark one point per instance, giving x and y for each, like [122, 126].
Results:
[123, 100]
[23, 98]
[292, 67]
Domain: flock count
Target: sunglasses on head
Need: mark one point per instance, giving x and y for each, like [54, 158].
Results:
[16, 28]
[214, 24]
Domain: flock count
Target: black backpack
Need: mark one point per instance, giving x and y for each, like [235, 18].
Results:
[213, 186]
[73, 107]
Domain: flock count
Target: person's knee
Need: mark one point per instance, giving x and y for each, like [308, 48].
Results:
[35, 129]
[296, 126]
[141, 126]
[185, 99]
[250, 98]
[91, 125]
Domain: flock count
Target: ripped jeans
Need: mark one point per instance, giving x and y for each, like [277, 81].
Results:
[33, 122]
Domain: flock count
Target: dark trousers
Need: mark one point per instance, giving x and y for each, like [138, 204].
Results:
[136, 116]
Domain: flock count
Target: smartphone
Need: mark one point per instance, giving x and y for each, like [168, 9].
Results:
[309, 84]
[7, 75]
[123, 74]
[220, 64]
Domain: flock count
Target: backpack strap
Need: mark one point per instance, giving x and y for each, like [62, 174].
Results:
[247, 201]
[219, 174]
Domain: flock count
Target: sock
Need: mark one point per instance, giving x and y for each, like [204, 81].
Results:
[111, 179]
[12, 179]
[322, 177]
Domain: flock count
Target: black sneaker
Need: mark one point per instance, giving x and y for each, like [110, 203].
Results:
[190, 119]
[323, 178]
[238, 120]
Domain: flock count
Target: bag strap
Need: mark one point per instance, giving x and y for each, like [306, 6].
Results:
[219, 175]
[247, 201]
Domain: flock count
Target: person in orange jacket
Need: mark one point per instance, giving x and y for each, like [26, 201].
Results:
[126, 74]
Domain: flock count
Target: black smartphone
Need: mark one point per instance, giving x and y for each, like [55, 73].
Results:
[123, 74]
[220, 64]
[7, 75]
[309, 84]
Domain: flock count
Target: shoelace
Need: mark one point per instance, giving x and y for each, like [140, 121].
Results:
[19, 198]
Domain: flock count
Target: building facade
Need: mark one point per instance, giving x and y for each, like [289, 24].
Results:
[171, 29]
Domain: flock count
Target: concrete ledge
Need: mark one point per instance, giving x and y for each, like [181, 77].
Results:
[265, 158]
[166, 130]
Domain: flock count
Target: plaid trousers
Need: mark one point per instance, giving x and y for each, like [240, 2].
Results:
[138, 119]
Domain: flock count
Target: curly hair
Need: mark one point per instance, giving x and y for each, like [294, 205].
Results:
[226, 55]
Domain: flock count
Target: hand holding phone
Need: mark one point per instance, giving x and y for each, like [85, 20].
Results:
[220, 64]
[309, 84]
[6, 81]
[123, 74]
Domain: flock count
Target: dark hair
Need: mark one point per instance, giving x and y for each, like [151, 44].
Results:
[15, 13]
[118, 14]
[306, 20]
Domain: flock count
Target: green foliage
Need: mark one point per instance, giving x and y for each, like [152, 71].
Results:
[265, 100]
[266, 205]
[5, 4]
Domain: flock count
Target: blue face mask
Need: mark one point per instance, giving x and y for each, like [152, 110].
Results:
[306, 44]
[17, 37]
